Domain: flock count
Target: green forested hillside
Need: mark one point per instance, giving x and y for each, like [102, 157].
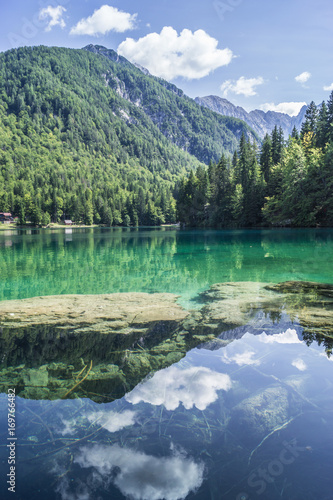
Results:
[89, 136]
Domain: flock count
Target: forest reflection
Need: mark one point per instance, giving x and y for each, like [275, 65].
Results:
[106, 260]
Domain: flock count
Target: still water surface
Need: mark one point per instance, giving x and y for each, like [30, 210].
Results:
[249, 420]
[85, 261]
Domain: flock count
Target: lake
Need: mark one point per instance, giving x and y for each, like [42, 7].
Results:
[85, 261]
[234, 405]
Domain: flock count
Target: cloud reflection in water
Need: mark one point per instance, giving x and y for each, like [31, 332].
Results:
[111, 420]
[140, 476]
[195, 386]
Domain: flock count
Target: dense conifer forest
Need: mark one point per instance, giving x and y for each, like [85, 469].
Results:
[281, 183]
[85, 135]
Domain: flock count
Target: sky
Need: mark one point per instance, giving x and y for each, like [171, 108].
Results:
[258, 54]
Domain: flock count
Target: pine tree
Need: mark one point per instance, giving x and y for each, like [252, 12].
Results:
[310, 121]
[294, 133]
[277, 144]
[200, 198]
[237, 207]
[253, 190]
[330, 118]
[221, 195]
[266, 161]
[322, 126]
[242, 171]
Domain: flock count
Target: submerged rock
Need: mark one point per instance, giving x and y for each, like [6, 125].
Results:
[74, 329]
[96, 346]
[312, 304]
[49, 342]
[113, 313]
[230, 305]
[304, 287]
[309, 304]
[260, 413]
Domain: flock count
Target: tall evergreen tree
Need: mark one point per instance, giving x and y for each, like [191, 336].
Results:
[241, 173]
[266, 161]
[294, 133]
[330, 117]
[221, 194]
[277, 144]
[310, 121]
[322, 129]
[253, 190]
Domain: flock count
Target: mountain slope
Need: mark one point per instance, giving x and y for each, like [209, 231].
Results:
[261, 122]
[187, 125]
[69, 87]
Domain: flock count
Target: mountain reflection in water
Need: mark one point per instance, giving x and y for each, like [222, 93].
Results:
[240, 420]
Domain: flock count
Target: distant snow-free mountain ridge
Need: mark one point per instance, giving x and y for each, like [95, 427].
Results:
[260, 121]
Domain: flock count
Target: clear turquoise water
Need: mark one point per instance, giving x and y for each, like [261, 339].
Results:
[91, 261]
[250, 420]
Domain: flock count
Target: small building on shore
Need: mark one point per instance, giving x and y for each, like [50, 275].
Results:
[68, 222]
[6, 217]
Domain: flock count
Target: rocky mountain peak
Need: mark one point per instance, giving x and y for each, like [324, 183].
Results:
[260, 121]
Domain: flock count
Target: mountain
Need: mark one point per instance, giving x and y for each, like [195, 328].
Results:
[87, 135]
[184, 123]
[261, 122]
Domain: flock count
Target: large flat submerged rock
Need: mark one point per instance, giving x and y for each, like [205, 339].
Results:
[96, 346]
[120, 313]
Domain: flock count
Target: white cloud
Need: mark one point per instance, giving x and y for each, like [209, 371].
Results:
[55, 15]
[299, 364]
[195, 386]
[240, 358]
[328, 87]
[140, 476]
[243, 86]
[69, 427]
[103, 20]
[287, 337]
[289, 108]
[303, 77]
[169, 55]
[112, 421]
